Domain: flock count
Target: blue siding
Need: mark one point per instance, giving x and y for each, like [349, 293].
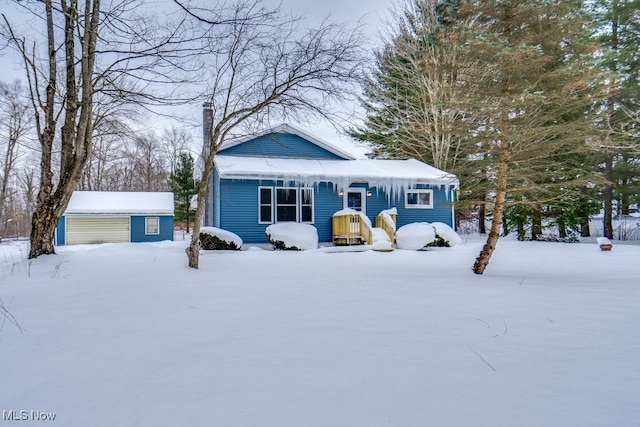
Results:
[280, 145]
[239, 208]
[215, 222]
[61, 231]
[441, 211]
[138, 229]
[326, 203]
[378, 201]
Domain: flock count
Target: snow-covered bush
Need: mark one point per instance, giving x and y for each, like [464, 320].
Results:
[292, 236]
[415, 236]
[212, 238]
[446, 234]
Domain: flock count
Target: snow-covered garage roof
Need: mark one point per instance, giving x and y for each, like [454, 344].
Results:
[378, 173]
[120, 202]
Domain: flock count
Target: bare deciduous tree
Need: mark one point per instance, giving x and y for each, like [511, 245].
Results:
[14, 125]
[121, 51]
[264, 65]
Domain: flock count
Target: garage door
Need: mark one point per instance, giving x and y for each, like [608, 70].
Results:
[97, 229]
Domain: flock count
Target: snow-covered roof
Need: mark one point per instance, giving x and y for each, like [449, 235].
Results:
[120, 202]
[286, 128]
[378, 173]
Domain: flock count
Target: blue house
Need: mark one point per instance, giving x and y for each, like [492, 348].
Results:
[284, 175]
[114, 217]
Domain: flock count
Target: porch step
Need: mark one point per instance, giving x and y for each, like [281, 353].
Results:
[381, 241]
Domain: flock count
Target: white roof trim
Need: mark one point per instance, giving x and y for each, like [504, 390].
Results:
[286, 128]
[378, 173]
[120, 202]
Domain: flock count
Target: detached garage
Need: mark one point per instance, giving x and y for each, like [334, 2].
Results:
[113, 217]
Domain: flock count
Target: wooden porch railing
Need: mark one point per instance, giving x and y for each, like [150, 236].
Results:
[390, 229]
[351, 229]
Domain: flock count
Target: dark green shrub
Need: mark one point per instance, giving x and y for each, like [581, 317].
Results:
[214, 243]
[439, 243]
[279, 245]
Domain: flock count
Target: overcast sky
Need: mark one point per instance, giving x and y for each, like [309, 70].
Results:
[370, 13]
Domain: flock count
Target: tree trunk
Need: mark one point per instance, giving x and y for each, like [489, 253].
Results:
[585, 230]
[498, 211]
[521, 230]
[608, 197]
[562, 228]
[43, 228]
[482, 229]
[536, 223]
[505, 226]
[76, 133]
[193, 250]
[623, 206]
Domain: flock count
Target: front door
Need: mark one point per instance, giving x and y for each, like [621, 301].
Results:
[355, 198]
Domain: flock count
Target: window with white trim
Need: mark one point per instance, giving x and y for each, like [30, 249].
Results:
[418, 199]
[306, 205]
[285, 204]
[265, 205]
[152, 225]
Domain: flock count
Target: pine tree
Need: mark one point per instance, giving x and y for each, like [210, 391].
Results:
[529, 91]
[508, 86]
[410, 96]
[184, 187]
[619, 34]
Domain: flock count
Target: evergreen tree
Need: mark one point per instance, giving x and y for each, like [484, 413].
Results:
[503, 88]
[619, 34]
[529, 91]
[184, 187]
[410, 98]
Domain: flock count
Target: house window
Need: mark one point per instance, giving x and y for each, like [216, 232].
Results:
[306, 205]
[285, 204]
[265, 202]
[152, 225]
[418, 199]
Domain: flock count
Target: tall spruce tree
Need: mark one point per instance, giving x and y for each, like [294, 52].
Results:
[184, 187]
[619, 33]
[509, 84]
[410, 97]
[529, 92]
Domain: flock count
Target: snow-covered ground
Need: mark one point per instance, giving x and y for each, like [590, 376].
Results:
[127, 335]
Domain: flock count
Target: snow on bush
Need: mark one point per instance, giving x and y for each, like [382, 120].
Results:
[447, 233]
[213, 238]
[415, 236]
[292, 235]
